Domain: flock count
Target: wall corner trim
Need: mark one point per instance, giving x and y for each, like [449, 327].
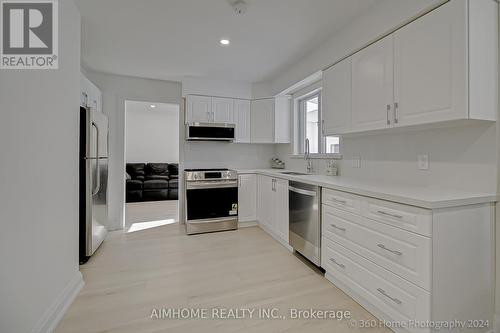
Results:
[51, 318]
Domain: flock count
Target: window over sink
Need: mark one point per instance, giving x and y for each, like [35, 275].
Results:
[308, 120]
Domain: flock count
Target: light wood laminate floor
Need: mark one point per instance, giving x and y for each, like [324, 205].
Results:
[162, 267]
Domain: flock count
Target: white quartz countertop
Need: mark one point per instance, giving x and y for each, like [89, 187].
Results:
[419, 196]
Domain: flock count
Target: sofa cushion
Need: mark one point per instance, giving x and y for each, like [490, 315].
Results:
[173, 183]
[155, 184]
[156, 177]
[173, 170]
[156, 169]
[133, 184]
[136, 170]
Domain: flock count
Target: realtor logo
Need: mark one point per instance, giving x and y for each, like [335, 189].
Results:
[29, 36]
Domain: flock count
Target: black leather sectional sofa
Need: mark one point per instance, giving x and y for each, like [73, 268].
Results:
[152, 182]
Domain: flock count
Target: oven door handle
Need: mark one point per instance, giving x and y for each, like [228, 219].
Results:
[209, 185]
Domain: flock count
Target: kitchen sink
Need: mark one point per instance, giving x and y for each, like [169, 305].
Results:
[293, 173]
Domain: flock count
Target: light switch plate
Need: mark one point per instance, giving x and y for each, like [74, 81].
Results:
[356, 161]
[423, 161]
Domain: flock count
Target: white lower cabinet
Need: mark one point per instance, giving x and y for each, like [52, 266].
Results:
[398, 298]
[247, 198]
[407, 264]
[272, 206]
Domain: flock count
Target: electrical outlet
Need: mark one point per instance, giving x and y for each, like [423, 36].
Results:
[423, 162]
[356, 161]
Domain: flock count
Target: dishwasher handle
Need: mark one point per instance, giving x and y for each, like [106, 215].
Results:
[301, 191]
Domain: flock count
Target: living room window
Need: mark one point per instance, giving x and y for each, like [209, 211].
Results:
[309, 127]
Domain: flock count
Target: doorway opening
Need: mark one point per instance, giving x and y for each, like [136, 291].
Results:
[151, 165]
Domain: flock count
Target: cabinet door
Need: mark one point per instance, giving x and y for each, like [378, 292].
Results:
[280, 213]
[242, 120]
[222, 110]
[264, 202]
[247, 198]
[372, 86]
[262, 121]
[282, 119]
[430, 67]
[336, 98]
[199, 109]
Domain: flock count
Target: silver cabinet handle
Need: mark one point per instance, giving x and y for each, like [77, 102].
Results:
[338, 228]
[389, 214]
[388, 110]
[337, 263]
[382, 246]
[339, 201]
[383, 292]
[396, 106]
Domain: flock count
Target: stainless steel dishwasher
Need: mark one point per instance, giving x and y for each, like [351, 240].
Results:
[305, 220]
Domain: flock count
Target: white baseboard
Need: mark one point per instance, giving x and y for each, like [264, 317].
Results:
[54, 314]
[247, 224]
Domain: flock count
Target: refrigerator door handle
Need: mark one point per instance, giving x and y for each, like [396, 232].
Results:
[98, 177]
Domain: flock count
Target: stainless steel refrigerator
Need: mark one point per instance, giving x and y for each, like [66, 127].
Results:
[93, 181]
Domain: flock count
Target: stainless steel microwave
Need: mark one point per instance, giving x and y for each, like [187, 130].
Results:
[210, 132]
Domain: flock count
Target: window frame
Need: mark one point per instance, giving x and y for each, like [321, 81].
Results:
[300, 134]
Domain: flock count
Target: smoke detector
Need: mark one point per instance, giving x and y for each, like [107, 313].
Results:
[240, 7]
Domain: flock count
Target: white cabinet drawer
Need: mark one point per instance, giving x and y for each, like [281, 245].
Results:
[399, 299]
[410, 218]
[401, 252]
[342, 200]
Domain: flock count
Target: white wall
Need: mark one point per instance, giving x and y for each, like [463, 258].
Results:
[39, 186]
[228, 155]
[460, 157]
[116, 90]
[152, 134]
[221, 88]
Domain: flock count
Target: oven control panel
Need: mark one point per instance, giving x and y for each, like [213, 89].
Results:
[215, 174]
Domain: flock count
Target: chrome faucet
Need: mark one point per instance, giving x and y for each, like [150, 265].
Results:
[307, 157]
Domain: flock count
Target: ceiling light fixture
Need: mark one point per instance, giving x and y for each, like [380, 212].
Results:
[152, 106]
[225, 42]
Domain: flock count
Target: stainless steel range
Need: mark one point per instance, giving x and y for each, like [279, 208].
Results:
[211, 200]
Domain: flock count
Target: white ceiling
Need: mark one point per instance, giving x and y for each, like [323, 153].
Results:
[168, 39]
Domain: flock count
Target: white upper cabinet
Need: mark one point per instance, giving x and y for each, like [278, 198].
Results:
[199, 109]
[270, 120]
[282, 119]
[441, 67]
[336, 98]
[262, 120]
[242, 120]
[222, 110]
[372, 85]
[430, 67]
